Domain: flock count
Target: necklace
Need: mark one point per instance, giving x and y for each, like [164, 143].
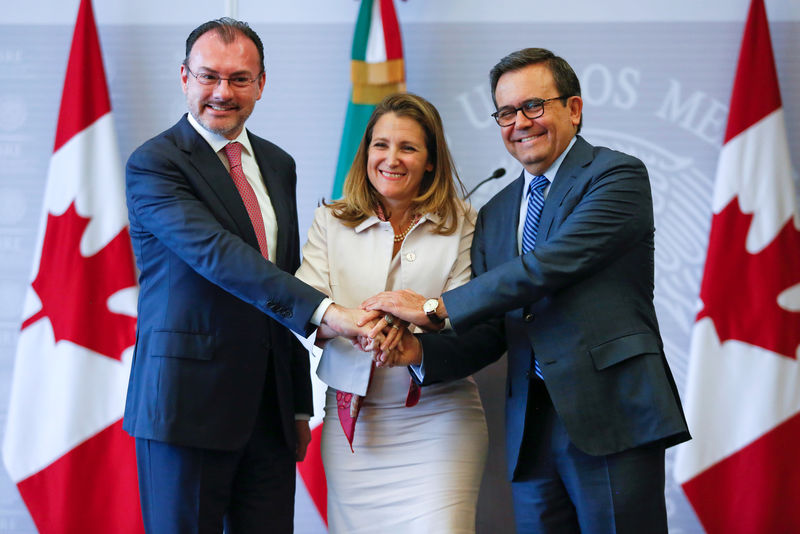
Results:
[402, 235]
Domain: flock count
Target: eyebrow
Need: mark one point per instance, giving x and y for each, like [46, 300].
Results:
[400, 142]
[533, 99]
[214, 71]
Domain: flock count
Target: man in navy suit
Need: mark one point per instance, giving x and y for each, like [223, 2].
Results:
[591, 403]
[219, 394]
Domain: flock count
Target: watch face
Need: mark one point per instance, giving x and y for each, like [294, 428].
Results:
[430, 305]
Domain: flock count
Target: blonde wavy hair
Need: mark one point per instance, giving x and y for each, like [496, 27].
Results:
[438, 191]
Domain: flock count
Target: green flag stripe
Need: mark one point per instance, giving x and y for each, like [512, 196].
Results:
[355, 123]
[361, 33]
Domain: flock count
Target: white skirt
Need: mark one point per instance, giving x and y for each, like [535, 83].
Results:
[414, 469]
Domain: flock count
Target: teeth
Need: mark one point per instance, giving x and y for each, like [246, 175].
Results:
[392, 174]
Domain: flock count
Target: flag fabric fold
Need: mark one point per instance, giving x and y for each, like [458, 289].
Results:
[64, 446]
[743, 392]
[377, 69]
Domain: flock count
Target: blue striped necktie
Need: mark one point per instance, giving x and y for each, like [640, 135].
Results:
[535, 204]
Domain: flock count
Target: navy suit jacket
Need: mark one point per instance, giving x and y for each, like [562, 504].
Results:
[582, 301]
[212, 310]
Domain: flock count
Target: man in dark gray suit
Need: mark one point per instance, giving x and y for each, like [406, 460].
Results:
[563, 266]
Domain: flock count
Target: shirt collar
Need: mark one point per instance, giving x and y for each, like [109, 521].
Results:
[551, 171]
[217, 141]
[373, 220]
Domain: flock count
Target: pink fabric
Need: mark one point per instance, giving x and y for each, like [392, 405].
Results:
[234, 153]
[414, 393]
[347, 406]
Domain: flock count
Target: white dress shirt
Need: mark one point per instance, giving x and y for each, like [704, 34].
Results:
[251, 172]
[550, 174]
[256, 181]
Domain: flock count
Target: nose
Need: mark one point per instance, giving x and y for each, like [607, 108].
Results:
[391, 157]
[522, 121]
[223, 89]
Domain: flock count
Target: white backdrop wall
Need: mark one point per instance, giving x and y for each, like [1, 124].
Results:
[656, 80]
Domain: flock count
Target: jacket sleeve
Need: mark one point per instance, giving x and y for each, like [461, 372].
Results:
[611, 216]
[448, 356]
[341, 365]
[461, 271]
[164, 206]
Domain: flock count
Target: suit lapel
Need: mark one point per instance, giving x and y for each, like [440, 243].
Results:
[508, 215]
[577, 158]
[278, 196]
[209, 167]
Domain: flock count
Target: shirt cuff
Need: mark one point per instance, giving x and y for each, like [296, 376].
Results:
[302, 417]
[419, 370]
[316, 319]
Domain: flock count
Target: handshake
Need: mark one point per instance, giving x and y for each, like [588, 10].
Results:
[381, 326]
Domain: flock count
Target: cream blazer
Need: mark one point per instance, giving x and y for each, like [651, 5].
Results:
[351, 264]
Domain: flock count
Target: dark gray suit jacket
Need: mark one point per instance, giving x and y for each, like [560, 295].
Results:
[582, 301]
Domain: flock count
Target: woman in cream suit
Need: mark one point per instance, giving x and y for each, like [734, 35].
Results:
[415, 461]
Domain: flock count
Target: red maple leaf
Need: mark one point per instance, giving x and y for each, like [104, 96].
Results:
[740, 290]
[74, 289]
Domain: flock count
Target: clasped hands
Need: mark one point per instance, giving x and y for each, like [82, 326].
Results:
[381, 326]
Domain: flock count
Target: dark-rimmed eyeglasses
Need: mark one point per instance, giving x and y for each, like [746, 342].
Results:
[532, 109]
[208, 78]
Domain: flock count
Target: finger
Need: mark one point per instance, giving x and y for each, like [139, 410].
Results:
[371, 301]
[392, 338]
[389, 358]
[377, 329]
[369, 316]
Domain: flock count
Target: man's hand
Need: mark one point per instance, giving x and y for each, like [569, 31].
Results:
[347, 322]
[405, 304]
[303, 436]
[407, 352]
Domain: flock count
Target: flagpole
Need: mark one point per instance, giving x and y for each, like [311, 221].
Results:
[232, 8]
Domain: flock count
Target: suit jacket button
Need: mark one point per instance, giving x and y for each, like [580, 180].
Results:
[528, 318]
[411, 256]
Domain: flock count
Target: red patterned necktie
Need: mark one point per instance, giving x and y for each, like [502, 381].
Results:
[234, 153]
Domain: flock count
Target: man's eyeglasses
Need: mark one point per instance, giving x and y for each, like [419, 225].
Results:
[533, 109]
[207, 78]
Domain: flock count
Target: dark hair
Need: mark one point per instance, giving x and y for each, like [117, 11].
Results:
[439, 189]
[227, 28]
[566, 80]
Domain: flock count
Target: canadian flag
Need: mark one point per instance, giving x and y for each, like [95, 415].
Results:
[64, 446]
[741, 471]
